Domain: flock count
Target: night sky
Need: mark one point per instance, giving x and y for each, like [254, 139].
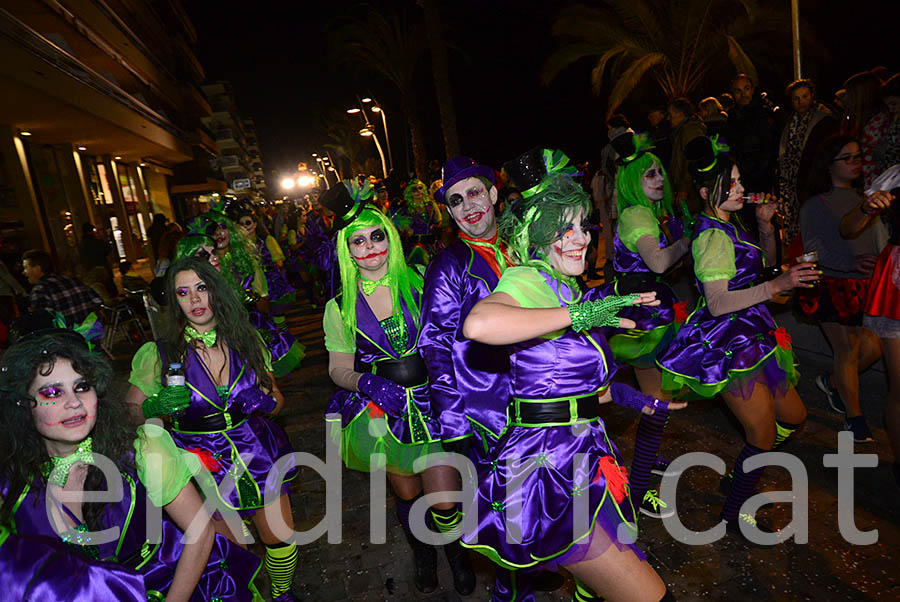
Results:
[282, 65]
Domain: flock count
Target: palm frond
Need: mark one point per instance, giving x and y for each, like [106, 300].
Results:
[631, 77]
[739, 58]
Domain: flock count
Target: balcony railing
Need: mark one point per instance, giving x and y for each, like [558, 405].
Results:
[44, 49]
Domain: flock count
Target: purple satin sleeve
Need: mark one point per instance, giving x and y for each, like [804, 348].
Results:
[36, 569]
[441, 303]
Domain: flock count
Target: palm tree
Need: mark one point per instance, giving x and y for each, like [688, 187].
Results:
[677, 43]
[387, 43]
[344, 139]
[440, 71]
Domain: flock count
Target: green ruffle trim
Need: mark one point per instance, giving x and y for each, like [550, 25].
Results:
[290, 361]
[639, 348]
[365, 436]
[686, 387]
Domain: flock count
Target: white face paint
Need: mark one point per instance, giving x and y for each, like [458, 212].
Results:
[568, 253]
[369, 249]
[471, 204]
[653, 182]
[65, 407]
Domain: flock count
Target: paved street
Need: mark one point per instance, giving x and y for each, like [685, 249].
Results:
[827, 568]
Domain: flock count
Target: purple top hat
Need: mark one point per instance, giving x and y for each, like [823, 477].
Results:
[460, 168]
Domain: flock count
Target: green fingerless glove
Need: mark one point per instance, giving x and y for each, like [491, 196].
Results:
[169, 400]
[602, 312]
[687, 220]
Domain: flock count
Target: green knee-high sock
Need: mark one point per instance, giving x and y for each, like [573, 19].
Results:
[281, 562]
[585, 594]
[783, 430]
[448, 521]
[279, 320]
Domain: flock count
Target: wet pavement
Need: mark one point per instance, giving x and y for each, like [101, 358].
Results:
[826, 568]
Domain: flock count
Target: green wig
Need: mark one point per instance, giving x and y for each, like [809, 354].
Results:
[190, 244]
[242, 255]
[630, 190]
[534, 223]
[402, 279]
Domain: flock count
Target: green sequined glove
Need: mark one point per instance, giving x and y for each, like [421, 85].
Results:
[602, 312]
[169, 400]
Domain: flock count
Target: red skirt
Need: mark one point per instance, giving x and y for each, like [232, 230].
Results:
[838, 300]
[883, 298]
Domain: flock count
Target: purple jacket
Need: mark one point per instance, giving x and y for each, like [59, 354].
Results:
[469, 380]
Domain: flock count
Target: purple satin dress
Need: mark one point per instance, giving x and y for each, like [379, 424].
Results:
[655, 326]
[253, 440]
[408, 436]
[469, 380]
[281, 293]
[229, 572]
[544, 483]
[731, 352]
[38, 568]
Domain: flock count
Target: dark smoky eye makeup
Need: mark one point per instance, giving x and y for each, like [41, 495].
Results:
[359, 240]
[203, 254]
[454, 199]
[377, 235]
[82, 386]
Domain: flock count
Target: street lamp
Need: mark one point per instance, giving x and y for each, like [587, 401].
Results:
[369, 131]
[287, 183]
[387, 140]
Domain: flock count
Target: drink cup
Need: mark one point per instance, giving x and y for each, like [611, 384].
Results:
[813, 258]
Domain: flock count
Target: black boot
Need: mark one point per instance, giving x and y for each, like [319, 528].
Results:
[424, 563]
[461, 567]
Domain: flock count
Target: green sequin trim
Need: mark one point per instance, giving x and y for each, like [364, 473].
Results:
[396, 333]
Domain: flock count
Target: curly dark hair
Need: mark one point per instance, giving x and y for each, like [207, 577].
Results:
[232, 320]
[22, 449]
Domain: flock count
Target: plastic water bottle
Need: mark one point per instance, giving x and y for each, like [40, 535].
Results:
[175, 378]
[175, 375]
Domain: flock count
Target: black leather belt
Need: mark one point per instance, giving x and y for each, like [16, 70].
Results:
[408, 371]
[214, 423]
[635, 282]
[540, 412]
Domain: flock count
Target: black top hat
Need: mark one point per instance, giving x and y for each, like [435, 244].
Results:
[38, 323]
[702, 157]
[623, 144]
[337, 199]
[527, 170]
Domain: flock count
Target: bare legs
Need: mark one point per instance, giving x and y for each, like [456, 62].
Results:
[855, 349]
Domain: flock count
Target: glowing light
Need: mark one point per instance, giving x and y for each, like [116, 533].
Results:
[376, 109]
[82, 148]
[365, 132]
[367, 99]
[305, 181]
[25, 133]
[287, 183]
[117, 158]
[353, 110]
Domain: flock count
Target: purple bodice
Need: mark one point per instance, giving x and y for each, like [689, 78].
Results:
[567, 365]
[748, 256]
[254, 440]
[372, 343]
[625, 261]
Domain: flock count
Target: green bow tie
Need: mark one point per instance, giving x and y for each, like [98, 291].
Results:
[57, 470]
[208, 338]
[369, 286]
